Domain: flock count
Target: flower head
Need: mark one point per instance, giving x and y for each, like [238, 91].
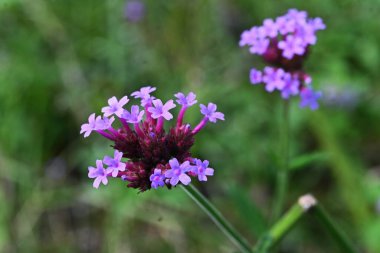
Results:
[284, 44]
[153, 156]
[99, 173]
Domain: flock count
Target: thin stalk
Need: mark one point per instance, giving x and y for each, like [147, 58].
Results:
[334, 230]
[282, 173]
[306, 204]
[215, 215]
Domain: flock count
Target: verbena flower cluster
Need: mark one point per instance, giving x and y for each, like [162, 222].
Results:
[284, 44]
[154, 157]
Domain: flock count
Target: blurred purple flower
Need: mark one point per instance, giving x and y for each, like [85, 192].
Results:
[309, 98]
[134, 10]
[188, 100]
[255, 76]
[284, 45]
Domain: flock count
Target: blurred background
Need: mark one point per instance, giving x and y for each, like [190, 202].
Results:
[60, 60]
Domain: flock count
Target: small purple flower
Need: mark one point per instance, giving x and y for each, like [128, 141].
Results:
[99, 173]
[105, 123]
[309, 98]
[144, 94]
[114, 164]
[246, 38]
[284, 25]
[255, 76]
[317, 24]
[296, 15]
[273, 79]
[291, 87]
[188, 100]
[92, 125]
[291, 46]
[270, 28]
[134, 10]
[115, 106]
[211, 113]
[159, 110]
[135, 116]
[177, 173]
[307, 34]
[202, 170]
[259, 46]
[157, 179]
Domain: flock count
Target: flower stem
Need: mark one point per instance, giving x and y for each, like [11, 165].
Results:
[218, 218]
[306, 204]
[282, 173]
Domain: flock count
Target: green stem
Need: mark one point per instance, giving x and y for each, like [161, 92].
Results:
[306, 204]
[337, 234]
[282, 173]
[218, 218]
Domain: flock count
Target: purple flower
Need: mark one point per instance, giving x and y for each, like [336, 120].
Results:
[270, 28]
[99, 173]
[105, 123]
[144, 94]
[284, 25]
[157, 179]
[259, 46]
[307, 34]
[273, 79]
[188, 100]
[317, 24]
[134, 11]
[309, 98]
[92, 125]
[211, 113]
[135, 116]
[202, 170]
[255, 76]
[291, 87]
[291, 46]
[159, 110]
[177, 173]
[247, 37]
[114, 164]
[296, 15]
[115, 106]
